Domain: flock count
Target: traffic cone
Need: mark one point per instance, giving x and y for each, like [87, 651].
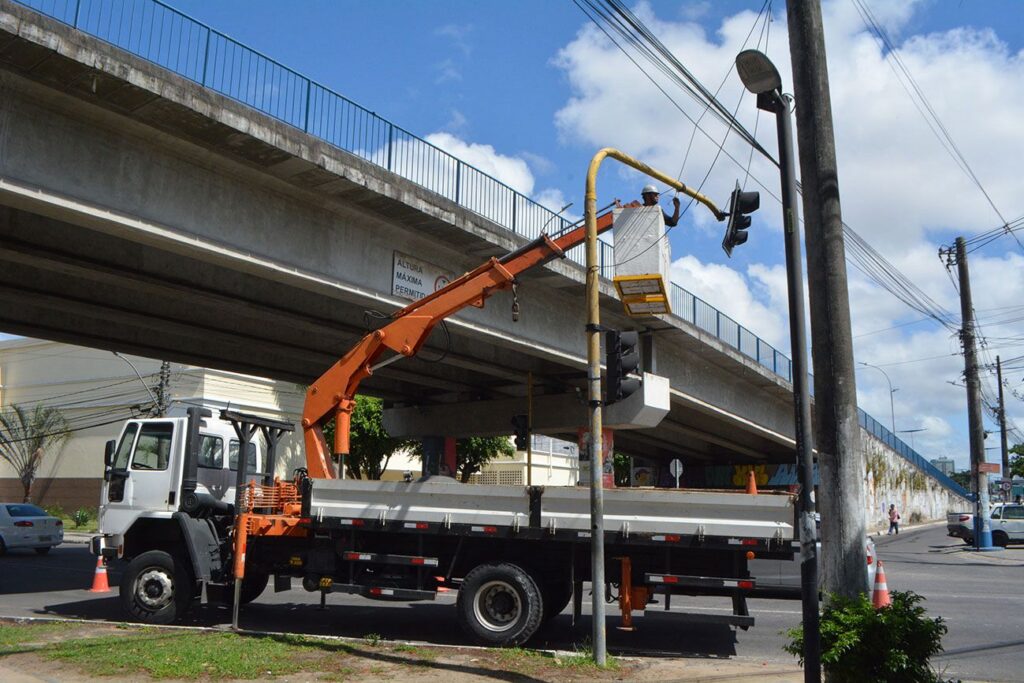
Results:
[99, 579]
[751, 483]
[880, 596]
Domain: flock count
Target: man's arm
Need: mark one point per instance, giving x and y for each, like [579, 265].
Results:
[670, 221]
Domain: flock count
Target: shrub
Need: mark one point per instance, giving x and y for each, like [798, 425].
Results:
[55, 511]
[860, 643]
[81, 517]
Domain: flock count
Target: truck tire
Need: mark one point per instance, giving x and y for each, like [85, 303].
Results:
[253, 585]
[500, 604]
[156, 588]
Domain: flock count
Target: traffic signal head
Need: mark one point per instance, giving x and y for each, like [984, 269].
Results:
[622, 357]
[740, 204]
[521, 426]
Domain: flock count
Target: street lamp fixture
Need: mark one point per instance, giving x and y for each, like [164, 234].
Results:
[761, 78]
[892, 404]
[757, 72]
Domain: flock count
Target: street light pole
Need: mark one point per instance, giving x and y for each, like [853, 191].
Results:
[761, 77]
[892, 405]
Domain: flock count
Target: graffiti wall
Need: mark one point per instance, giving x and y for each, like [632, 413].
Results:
[889, 479]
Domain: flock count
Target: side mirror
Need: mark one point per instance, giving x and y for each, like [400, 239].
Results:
[108, 453]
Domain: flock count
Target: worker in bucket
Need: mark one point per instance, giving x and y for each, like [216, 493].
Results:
[650, 196]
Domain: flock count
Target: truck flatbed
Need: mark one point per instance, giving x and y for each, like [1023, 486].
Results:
[730, 518]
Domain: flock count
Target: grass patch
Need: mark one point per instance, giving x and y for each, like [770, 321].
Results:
[15, 637]
[180, 655]
[583, 659]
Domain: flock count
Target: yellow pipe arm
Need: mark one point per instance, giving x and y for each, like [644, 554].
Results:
[595, 163]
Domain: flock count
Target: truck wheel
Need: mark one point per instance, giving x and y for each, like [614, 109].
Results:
[1000, 538]
[557, 595]
[156, 588]
[253, 585]
[499, 604]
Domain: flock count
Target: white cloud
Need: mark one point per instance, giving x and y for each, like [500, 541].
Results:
[510, 170]
[447, 71]
[732, 293]
[458, 35]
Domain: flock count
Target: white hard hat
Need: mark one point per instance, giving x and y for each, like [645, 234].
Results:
[649, 189]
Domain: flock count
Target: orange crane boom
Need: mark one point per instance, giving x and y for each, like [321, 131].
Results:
[333, 394]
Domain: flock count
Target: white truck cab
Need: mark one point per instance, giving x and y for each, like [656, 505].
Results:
[145, 469]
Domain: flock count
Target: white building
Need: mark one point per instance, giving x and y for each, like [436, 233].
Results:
[97, 391]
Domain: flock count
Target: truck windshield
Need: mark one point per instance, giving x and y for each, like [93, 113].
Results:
[124, 449]
[154, 447]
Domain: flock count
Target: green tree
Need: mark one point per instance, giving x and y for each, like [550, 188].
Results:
[620, 466]
[962, 478]
[370, 445]
[1017, 461]
[25, 438]
[476, 451]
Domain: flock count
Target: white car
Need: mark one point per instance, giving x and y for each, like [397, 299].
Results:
[23, 525]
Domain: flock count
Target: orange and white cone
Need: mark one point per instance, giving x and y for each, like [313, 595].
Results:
[99, 579]
[880, 596]
[751, 483]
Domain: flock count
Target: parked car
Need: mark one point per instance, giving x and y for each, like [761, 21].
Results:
[23, 525]
[960, 525]
[1007, 524]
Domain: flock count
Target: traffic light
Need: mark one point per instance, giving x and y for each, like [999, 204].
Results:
[622, 358]
[740, 204]
[522, 431]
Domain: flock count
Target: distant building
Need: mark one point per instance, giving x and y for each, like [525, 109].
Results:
[945, 465]
[97, 391]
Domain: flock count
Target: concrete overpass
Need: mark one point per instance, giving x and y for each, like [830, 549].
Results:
[143, 212]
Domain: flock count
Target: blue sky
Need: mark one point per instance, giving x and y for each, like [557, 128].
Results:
[529, 90]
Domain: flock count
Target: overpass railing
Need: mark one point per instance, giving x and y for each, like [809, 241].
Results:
[171, 39]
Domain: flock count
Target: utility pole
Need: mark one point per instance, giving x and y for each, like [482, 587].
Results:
[840, 460]
[975, 426]
[163, 390]
[1002, 423]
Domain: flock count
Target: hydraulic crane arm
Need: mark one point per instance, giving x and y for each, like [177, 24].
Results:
[333, 394]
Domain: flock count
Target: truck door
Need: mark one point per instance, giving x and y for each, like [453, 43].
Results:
[115, 512]
[150, 474]
[212, 477]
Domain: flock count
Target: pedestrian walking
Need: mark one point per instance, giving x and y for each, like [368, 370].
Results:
[894, 520]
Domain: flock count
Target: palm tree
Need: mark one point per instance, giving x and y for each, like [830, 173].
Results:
[25, 437]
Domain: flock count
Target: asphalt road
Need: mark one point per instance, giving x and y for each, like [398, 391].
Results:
[979, 596]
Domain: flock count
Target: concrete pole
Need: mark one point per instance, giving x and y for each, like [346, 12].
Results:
[1003, 446]
[840, 460]
[975, 426]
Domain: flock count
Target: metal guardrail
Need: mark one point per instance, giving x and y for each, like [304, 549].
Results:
[171, 39]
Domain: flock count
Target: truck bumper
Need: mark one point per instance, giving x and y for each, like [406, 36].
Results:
[109, 546]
